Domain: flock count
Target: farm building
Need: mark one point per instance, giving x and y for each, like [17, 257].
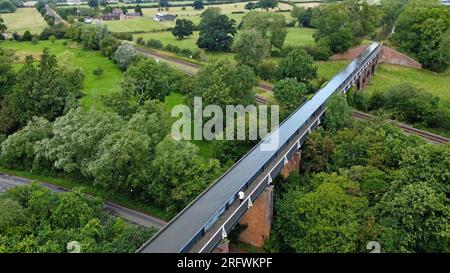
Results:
[117, 14]
[162, 16]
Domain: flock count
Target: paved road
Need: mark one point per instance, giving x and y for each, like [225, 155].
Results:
[136, 217]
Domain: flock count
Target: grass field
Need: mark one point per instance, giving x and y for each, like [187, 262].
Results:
[330, 68]
[88, 60]
[295, 37]
[387, 76]
[24, 19]
[146, 23]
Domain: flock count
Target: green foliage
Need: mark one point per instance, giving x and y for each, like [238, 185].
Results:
[183, 28]
[7, 7]
[298, 65]
[271, 26]
[338, 23]
[290, 94]
[7, 72]
[415, 219]
[390, 188]
[147, 79]
[326, 219]
[125, 56]
[423, 30]
[35, 220]
[250, 47]
[98, 71]
[3, 26]
[338, 114]
[48, 90]
[180, 174]
[267, 4]
[18, 150]
[76, 137]
[198, 5]
[411, 104]
[216, 31]
[223, 83]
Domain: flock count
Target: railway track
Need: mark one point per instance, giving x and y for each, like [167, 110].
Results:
[263, 86]
[269, 88]
[408, 129]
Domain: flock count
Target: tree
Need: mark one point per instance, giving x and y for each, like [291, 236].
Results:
[13, 215]
[326, 219]
[122, 162]
[6, 70]
[250, 6]
[76, 139]
[250, 47]
[138, 9]
[7, 7]
[415, 219]
[338, 114]
[93, 3]
[423, 30]
[183, 28]
[267, 4]
[180, 174]
[223, 83]
[216, 32]
[164, 3]
[3, 27]
[125, 55]
[147, 79]
[333, 25]
[108, 46]
[27, 36]
[48, 90]
[18, 150]
[298, 64]
[290, 94]
[271, 27]
[198, 5]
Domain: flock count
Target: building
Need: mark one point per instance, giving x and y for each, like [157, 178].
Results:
[445, 2]
[162, 16]
[117, 14]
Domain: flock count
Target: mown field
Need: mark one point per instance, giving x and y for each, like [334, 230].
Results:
[24, 19]
[88, 60]
[388, 76]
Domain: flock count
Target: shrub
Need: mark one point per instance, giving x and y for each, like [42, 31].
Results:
[319, 53]
[154, 44]
[173, 48]
[98, 71]
[140, 41]
[267, 70]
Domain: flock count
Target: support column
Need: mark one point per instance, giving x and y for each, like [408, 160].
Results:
[258, 220]
[293, 165]
[223, 246]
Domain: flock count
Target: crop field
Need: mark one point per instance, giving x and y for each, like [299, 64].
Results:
[24, 19]
[88, 60]
[387, 76]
